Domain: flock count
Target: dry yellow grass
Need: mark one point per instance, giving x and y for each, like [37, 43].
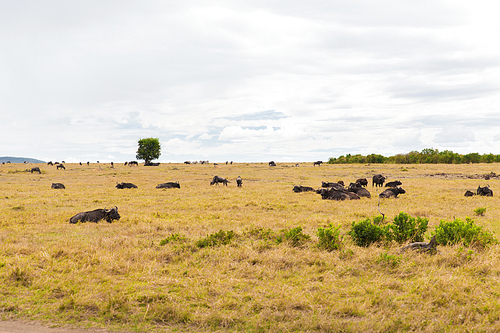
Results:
[119, 276]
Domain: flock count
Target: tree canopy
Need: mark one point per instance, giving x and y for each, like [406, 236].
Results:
[148, 150]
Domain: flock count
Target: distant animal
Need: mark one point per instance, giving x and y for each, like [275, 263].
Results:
[336, 185]
[50, 163]
[125, 185]
[339, 195]
[393, 183]
[239, 181]
[96, 215]
[169, 185]
[216, 180]
[318, 163]
[58, 186]
[362, 181]
[61, 166]
[80, 163]
[35, 169]
[300, 188]
[484, 191]
[378, 180]
[131, 163]
[187, 162]
[151, 164]
[392, 192]
[272, 163]
[359, 190]
[88, 163]
[469, 194]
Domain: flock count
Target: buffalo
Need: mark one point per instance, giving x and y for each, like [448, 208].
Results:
[58, 186]
[131, 163]
[35, 169]
[239, 181]
[333, 194]
[318, 163]
[125, 185]
[484, 191]
[300, 188]
[169, 185]
[359, 190]
[392, 192]
[96, 215]
[272, 163]
[216, 180]
[151, 164]
[337, 185]
[378, 180]
[61, 166]
[362, 181]
[393, 183]
[469, 194]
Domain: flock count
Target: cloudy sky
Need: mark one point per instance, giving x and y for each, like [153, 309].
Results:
[248, 81]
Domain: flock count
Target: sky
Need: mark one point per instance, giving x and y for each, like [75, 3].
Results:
[247, 81]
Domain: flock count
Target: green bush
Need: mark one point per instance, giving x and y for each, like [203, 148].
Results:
[293, 236]
[406, 228]
[389, 260]
[219, 238]
[480, 211]
[364, 233]
[465, 232]
[329, 238]
[173, 238]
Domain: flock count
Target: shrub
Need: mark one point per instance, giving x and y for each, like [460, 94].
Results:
[390, 260]
[173, 238]
[329, 237]
[480, 211]
[406, 228]
[364, 233]
[293, 236]
[466, 232]
[219, 238]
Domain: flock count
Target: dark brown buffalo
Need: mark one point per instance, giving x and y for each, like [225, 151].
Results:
[484, 191]
[393, 183]
[58, 186]
[378, 180]
[125, 185]
[362, 181]
[300, 188]
[169, 185]
[216, 180]
[96, 215]
[392, 192]
[359, 190]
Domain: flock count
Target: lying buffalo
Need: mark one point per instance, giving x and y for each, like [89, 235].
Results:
[393, 183]
[300, 188]
[338, 185]
[216, 180]
[378, 180]
[484, 191]
[96, 215]
[359, 190]
[392, 192]
[58, 186]
[469, 194]
[125, 185]
[333, 194]
[169, 185]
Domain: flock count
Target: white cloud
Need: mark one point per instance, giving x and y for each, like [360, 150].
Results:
[455, 134]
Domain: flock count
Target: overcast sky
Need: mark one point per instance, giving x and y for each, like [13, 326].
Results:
[247, 81]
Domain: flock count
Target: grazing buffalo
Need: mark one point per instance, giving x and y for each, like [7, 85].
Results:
[125, 185]
[96, 215]
[378, 180]
[393, 183]
[187, 162]
[362, 181]
[58, 186]
[272, 163]
[359, 190]
[337, 185]
[484, 191]
[35, 169]
[392, 192]
[169, 185]
[61, 166]
[469, 194]
[50, 163]
[300, 188]
[318, 163]
[216, 180]
[131, 163]
[239, 181]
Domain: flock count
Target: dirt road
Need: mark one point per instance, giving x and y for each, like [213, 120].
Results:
[34, 327]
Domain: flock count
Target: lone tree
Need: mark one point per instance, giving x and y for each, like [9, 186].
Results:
[149, 149]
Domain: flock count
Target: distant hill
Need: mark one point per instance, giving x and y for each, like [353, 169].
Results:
[19, 160]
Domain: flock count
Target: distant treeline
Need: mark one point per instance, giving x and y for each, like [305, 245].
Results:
[428, 155]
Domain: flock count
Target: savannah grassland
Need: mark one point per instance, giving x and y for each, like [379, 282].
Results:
[146, 272]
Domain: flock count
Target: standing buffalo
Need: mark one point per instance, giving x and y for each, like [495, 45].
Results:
[393, 183]
[35, 169]
[125, 185]
[378, 180]
[239, 181]
[169, 185]
[216, 180]
[362, 181]
[392, 192]
[318, 163]
[58, 186]
[96, 215]
[272, 163]
[484, 191]
[300, 188]
[61, 166]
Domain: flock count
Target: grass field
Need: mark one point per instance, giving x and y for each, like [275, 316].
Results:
[148, 272]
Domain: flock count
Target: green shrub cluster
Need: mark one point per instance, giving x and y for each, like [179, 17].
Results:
[329, 238]
[364, 233]
[219, 238]
[465, 232]
[294, 237]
